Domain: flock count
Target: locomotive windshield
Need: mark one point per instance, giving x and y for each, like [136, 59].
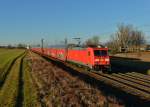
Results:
[100, 53]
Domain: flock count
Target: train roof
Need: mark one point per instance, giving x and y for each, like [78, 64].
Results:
[93, 47]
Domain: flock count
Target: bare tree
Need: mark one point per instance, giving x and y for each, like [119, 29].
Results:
[126, 38]
[20, 45]
[123, 35]
[93, 41]
[112, 44]
[137, 39]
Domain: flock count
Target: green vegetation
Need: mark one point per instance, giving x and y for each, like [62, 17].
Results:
[9, 91]
[8, 54]
[7, 58]
[30, 95]
[16, 85]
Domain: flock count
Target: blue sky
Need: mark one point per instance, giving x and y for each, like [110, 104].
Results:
[27, 21]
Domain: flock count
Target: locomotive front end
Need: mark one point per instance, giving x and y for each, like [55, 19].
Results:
[101, 59]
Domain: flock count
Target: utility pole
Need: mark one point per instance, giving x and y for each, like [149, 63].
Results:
[42, 44]
[66, 48]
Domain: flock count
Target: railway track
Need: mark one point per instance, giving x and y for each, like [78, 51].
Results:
[133, 85]
[138, 88]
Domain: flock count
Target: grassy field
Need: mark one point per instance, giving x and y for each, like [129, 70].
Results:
[6, 55]
[7, 58]
[16, 86]
[10, 89]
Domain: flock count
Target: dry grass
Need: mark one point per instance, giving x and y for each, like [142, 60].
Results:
[29, 91]
[58, 88]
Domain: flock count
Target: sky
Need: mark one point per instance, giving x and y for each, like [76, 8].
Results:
[27, 21]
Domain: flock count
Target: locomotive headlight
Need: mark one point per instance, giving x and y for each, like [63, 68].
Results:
[101, 60]
[107, 59]
[96, 60]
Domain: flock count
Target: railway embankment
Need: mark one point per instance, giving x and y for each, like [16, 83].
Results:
[131, 62]
[131, 91]
[57, 86]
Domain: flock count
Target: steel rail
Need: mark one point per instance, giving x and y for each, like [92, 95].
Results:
[121, 85]
[138, 75]
[124, 81]
[132, 80]
[135, 78]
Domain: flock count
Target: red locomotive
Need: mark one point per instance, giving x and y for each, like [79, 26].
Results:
[93, 57]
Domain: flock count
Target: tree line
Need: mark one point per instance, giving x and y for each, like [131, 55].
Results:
[19, 46]
[126, 38]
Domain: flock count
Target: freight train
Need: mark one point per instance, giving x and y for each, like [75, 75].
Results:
[96, 58]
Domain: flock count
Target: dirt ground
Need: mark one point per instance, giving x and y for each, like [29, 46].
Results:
[57, 88]
[143, 56]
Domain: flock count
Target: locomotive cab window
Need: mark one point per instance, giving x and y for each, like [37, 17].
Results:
[100, 53]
